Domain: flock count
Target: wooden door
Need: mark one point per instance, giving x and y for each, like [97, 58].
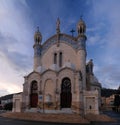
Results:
[34, 100]
[66, 96]
[34, 94]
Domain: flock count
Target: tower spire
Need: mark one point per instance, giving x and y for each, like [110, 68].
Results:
[58, 25]
[37, 28]
[81, 16]
[37, 36]
[58, 30]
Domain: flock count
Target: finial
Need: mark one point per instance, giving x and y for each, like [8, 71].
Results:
[37, 28]
[37, 36]
[81, 16]
[58, 25]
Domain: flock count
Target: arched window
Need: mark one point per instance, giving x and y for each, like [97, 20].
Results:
[80, 29]
[55, 58]
[66, 85]
[60, 59]
[34, 87]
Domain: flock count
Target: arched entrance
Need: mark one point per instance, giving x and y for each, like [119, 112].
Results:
[66, 96]
[34, 94]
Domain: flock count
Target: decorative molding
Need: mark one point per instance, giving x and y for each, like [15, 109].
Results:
[63, 38]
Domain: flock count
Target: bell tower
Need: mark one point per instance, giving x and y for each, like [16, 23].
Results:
[81, 27]
[81, 53]
[37, 49]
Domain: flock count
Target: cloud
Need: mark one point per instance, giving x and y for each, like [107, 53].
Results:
[10, 79]
[15, 24]
[3, 92]
[109, 76]
[18, 20]
[93, 39]
[108, 13]
[16, 40]
[104, 39]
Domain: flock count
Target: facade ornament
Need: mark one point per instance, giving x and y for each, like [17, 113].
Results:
[58, 31]
[58, 25]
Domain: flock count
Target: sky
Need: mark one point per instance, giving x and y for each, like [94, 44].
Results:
[18, 22]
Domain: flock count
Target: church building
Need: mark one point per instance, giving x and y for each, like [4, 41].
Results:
[61, 80]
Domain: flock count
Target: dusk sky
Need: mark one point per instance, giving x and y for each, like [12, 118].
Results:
[18, 22]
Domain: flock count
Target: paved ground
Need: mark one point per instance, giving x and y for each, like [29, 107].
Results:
[59, 118]
[9, 121]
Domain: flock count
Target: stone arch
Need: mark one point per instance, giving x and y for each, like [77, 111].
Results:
[66, 73]
[49, 91]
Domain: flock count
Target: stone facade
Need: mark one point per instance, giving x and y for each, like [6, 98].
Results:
[58, 79]
[91, 102]
[17, 103]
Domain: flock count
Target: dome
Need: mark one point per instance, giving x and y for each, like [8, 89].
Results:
[69, 65]
[81, 27]
[94, 81]
[37, 36]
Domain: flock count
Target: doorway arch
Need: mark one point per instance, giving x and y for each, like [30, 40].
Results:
[66, 95]
[34, 94]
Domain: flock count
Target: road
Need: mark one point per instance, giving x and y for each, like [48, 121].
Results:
[111, 114]
[8, 121]
[115, 115]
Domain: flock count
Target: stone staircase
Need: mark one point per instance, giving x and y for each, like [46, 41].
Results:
[66, 111]
[62, 111]
[31, 110]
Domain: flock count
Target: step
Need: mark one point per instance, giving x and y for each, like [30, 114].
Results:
[62, 111]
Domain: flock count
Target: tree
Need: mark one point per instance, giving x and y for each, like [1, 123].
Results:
[8, 106]
[117, 102]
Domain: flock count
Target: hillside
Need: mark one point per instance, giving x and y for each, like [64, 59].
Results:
[108, 92]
